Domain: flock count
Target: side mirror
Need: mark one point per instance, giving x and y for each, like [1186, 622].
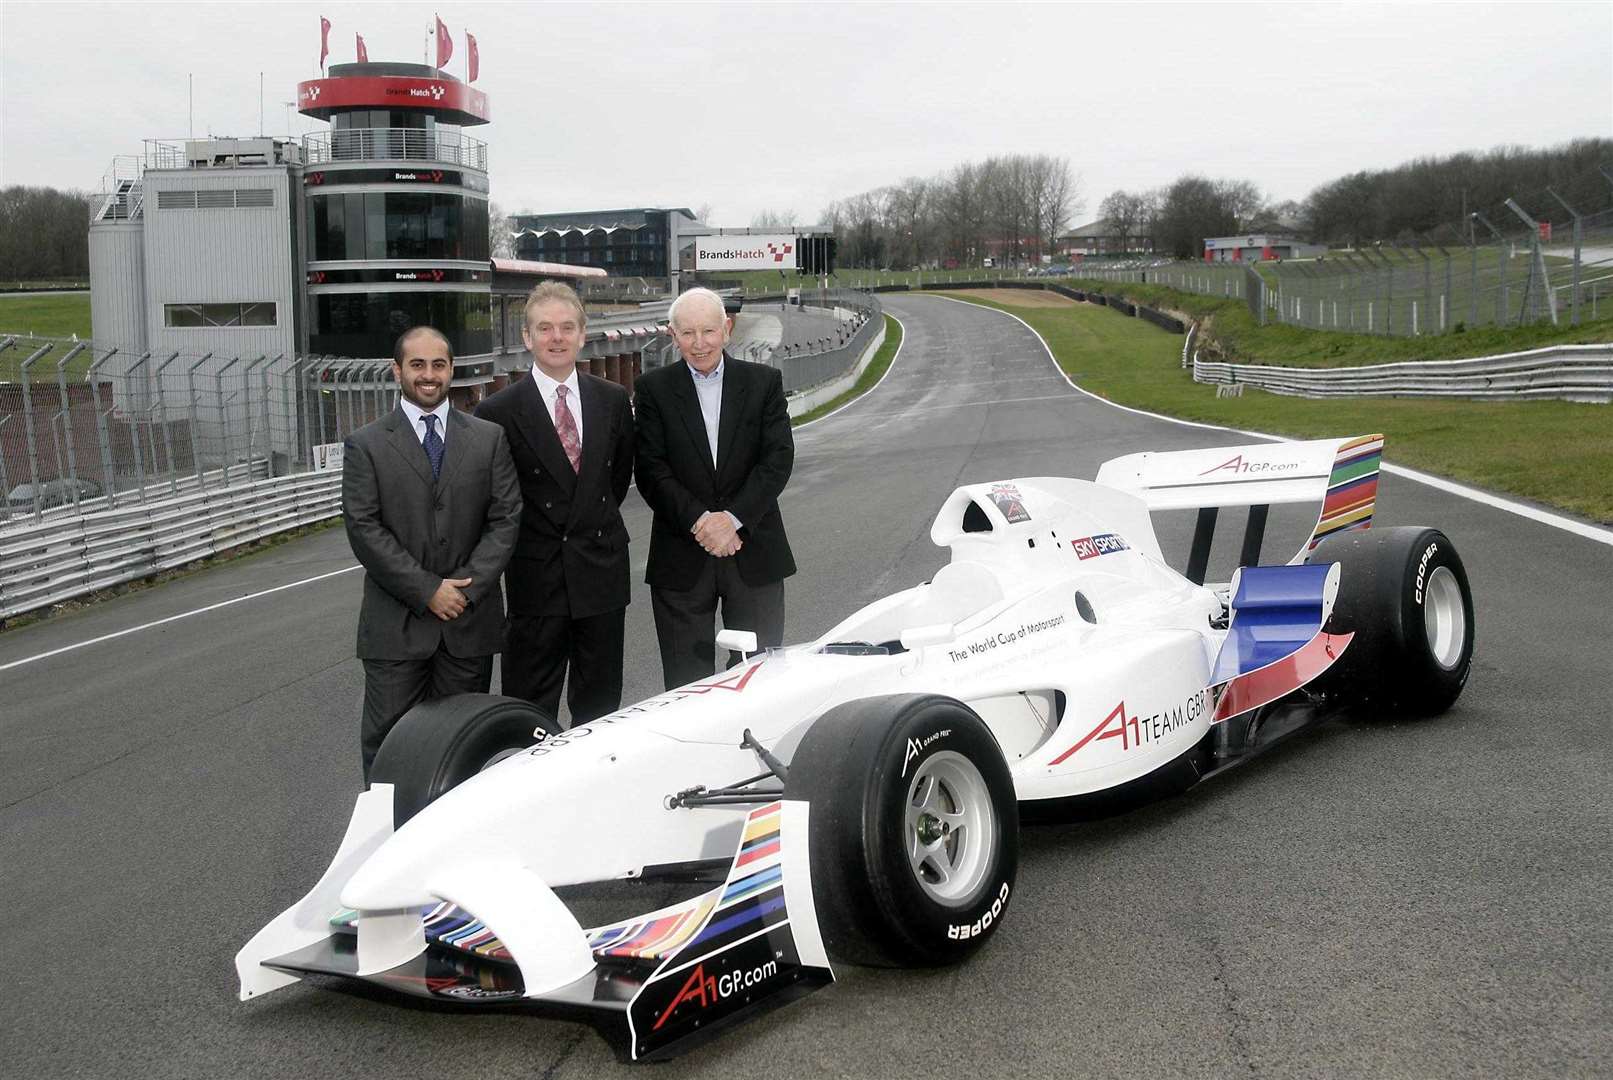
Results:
[916, 637]
[739, 641]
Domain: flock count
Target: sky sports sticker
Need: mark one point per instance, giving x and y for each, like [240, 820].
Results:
[1090, 547]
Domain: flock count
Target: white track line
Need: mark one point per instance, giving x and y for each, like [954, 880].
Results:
[174, 618]
[1544, 517]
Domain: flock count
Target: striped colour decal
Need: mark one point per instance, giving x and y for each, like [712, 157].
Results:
[1352, 489]
[751, 898]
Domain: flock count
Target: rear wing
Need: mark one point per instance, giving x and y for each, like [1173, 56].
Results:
[1340, 474]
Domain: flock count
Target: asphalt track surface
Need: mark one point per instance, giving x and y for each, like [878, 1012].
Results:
[1377, 898]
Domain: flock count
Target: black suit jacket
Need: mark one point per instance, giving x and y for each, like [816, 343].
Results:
[571, 558]
[676, 476]
[410, 532]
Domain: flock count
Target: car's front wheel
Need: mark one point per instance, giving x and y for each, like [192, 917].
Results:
[439, 744]
[914, 829]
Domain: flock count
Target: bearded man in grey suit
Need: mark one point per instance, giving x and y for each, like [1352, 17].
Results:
[432, 507]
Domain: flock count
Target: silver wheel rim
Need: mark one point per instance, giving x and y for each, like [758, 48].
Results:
[951, 828]
[1444, 619]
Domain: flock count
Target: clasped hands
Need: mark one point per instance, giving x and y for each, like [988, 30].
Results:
[448, 602]
[715, 531]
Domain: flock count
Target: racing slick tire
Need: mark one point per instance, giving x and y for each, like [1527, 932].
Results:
[1404, 593]
[914, 829]
[438, 744]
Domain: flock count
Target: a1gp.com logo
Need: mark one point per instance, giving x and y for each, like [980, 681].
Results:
[707, 990]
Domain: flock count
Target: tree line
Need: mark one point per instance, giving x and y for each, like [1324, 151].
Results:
[1424, 198]
[44, 233]
[1010, 208]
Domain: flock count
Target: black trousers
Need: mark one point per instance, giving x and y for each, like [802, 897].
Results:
[685, 619]
[393, 687]
[539, 648]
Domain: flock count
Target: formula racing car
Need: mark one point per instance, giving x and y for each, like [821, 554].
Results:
[860, 796]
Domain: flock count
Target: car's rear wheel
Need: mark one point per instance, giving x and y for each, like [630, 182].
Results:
[1404, 593]
[439, 744]
[914, 829]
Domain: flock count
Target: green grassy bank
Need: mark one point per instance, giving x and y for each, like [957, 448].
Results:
[1554, 452]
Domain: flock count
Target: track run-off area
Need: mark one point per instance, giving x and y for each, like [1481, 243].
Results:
[1379, 897]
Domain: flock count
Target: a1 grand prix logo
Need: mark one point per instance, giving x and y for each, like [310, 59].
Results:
[704, 991]
[1135, 731]
[1236, 464]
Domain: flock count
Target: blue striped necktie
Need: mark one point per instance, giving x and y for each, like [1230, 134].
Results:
[433, 445]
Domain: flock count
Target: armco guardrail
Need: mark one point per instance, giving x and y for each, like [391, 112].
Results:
[1567, 372]
[47, 563]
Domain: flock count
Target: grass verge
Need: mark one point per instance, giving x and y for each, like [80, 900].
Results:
[1555, 452]
[866, 381]
[55, 315]
[1234, 334]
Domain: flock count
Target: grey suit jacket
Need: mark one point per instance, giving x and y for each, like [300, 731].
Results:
[410, 532]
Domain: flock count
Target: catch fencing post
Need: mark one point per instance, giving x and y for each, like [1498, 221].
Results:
[224, 418]
[1573, 319]
[1502, 300]
[167, 430]
[246, 385]
[28, 425]
[195, 457]
[134, 431]
[109, 481]
[1537, 271]
[66, 417]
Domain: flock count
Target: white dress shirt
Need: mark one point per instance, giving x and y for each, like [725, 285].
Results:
[550, 388]
[708, 388]
[415, 413]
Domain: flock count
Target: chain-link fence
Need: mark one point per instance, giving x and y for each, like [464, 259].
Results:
[84, 428]
[1529, 261]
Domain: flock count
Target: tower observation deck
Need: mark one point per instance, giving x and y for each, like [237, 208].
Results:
[395, 208]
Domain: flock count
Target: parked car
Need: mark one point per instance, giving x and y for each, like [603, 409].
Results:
[52, 493]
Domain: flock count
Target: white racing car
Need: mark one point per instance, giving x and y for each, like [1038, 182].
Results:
[859, 796]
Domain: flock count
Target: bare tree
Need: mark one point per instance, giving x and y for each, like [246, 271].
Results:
[1057, 196]
[500, 232]
[1125, 213]
[773, 219]
[908, 207]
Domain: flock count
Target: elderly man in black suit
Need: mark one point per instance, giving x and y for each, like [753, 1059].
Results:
[572, 438]
[714, 453]
[431, 506]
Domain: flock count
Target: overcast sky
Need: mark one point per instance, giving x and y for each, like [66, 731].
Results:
[752, 107]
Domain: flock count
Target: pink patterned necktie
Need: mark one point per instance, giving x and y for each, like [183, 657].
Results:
[565, 426]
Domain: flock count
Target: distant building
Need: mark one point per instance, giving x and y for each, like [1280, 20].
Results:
[1102, 238]
[1259, 247]
[637, 242]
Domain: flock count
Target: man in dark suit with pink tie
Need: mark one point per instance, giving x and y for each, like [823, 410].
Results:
[571, 435]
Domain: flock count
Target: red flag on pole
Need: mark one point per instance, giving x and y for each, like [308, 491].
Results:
[474, 61]
[445, 45]
[324, 41]
[363, 53]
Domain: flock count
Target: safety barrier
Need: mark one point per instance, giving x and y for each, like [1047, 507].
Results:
[47, 563]
[1566, 372]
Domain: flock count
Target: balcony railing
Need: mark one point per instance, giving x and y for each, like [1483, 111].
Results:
[393, 144]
